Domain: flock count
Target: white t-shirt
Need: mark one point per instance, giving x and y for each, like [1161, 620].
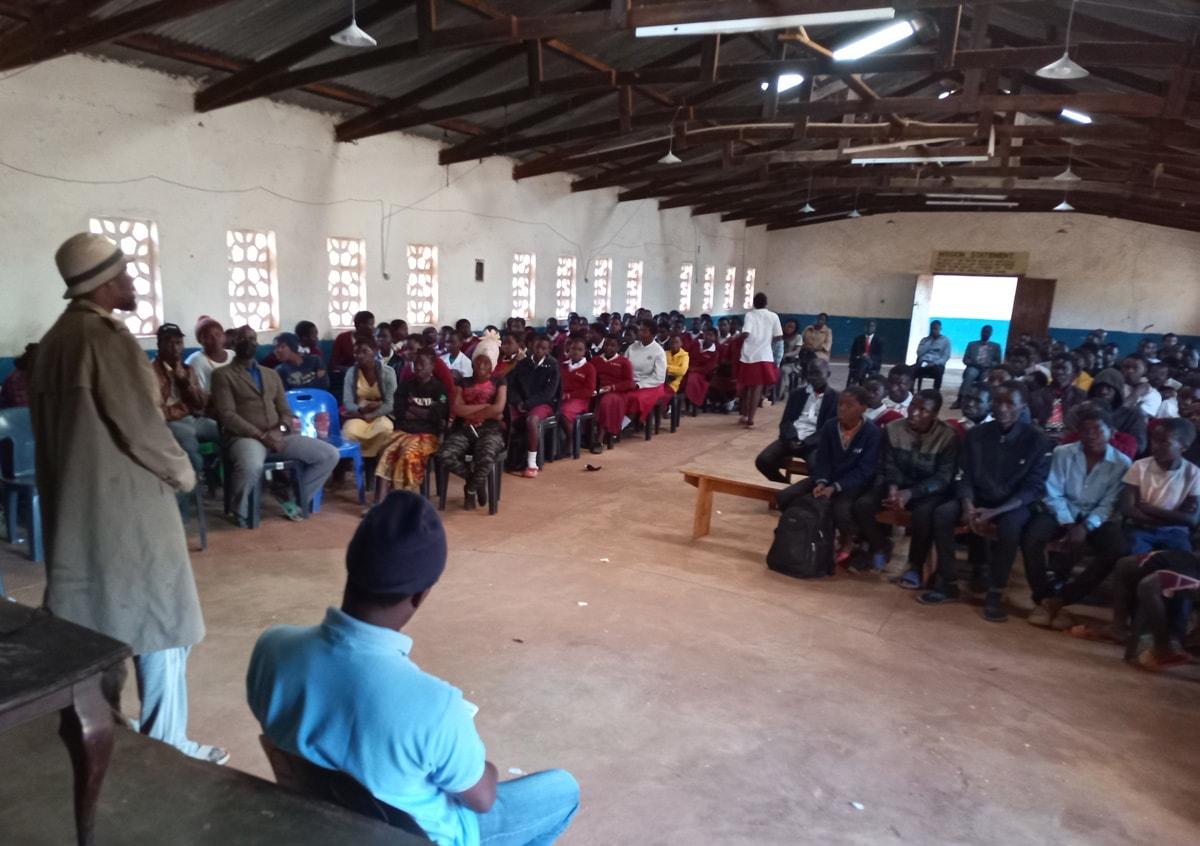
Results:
[204, 366]
[761, 326]
[462, 364]
[806, 423]
[1163, 488]
[902, 407]
[1149, 403]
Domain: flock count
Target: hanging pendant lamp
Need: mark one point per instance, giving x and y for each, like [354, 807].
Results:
[1064, 67]
[353, 35]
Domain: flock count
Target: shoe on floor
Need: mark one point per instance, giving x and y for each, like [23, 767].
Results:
[937, 597]
[911, 580]
[596, 449]
[292, 511]
[211, 754]
[529, 473]
[993, 608]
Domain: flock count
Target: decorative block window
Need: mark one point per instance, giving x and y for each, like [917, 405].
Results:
[347, 276]
[253, 283]
[633, 285]
[730, 289]
[602, 285]
[524, 279]
[138, 239]
[709, 293]
[422, 285]
[564, 286]
[748, 299]
[687, 270]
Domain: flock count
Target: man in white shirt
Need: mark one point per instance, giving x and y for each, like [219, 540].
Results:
[760, 330]
[1138, 390]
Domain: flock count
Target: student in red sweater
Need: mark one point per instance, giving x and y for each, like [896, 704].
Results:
[701, 365]
[614, 381]
[342, 354]
[578, 384]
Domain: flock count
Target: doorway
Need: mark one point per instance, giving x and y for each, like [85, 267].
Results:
[1011, 305]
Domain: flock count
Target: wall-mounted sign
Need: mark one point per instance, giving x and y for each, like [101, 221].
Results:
[970, 262]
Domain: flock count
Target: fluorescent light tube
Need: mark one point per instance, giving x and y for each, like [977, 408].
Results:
[784, 82]
[920, 160]
[1078, 117]
[993, 197]
[989, 204]
[761, 24]
[875, 42]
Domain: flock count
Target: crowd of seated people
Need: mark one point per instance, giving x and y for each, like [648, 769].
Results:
[1076, 459]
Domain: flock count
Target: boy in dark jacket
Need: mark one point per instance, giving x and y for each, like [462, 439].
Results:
[807, 410]
[919, 457]
[534, 388]
[843, 464]
[1004, 468]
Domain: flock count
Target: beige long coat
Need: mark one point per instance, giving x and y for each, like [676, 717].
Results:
[108, 469]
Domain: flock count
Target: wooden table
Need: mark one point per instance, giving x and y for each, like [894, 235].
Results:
[709, 482]
[47, 665]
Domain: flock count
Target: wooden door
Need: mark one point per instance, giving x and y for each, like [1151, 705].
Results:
[919, 327]
[1031, 309]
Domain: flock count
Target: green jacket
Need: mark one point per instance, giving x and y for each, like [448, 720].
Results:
[925, 464]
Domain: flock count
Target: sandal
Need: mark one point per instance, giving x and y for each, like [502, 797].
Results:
[910, 580]
[292, 511]
[1083, 631]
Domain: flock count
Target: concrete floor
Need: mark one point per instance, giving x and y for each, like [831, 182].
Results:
[701, 699]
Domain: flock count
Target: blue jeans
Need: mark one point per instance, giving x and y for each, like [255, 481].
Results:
[530, 811]
[1164, 537]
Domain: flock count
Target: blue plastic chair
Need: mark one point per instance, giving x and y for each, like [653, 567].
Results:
[306, 404]
[17, 477]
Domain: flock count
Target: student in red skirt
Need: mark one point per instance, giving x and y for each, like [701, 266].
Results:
[701, 365]
[649, 362]
[760, 330]
[578, 384]
[614, 381]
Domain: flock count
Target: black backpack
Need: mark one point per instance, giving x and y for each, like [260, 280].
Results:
[803, 546]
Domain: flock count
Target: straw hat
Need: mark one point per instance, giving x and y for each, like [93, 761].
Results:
[86, 262]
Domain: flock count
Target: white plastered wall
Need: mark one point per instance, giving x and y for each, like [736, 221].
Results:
[77, 121]
[1118, 274]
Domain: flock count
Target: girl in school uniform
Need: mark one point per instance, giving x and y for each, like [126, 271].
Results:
[614, 379]
[701, 365]
[578, 384]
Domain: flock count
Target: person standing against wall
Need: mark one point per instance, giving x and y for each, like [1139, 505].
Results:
[108, 469]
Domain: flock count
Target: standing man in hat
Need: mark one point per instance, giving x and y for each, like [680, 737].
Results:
[345, 695]
[108, 469]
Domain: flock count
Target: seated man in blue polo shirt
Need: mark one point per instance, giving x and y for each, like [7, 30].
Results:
[344, 695]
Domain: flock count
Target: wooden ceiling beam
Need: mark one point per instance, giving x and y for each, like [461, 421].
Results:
[219, 93]
[98, 31]
[42, 24]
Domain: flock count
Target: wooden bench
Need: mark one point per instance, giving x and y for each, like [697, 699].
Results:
[708, 483]
[796, 467]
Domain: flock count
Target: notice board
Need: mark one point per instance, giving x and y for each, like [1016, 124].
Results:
[977, 263]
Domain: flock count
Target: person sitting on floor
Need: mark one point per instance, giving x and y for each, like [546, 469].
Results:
[1161, 499]
[614, 382]
[918, 461]
[534, 389]
[649, 362]
[1004, 469]
[866, 355]
[756, 364]
[212, 353]
[1137, 390]
[933, 351]
[421, 407]
[1076, 514]
[976, 409]
[899, 394]
[255, 419]
[843, 464]
[1050, 406]
[980, 357]
[578, 378]
[368, 397]
[456, 358]
[1127, 419]
[346, 696]
[817, 339]
[183, 400]
[807, 410]
[297, 369]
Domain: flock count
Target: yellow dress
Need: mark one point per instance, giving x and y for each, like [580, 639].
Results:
[372, 435]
